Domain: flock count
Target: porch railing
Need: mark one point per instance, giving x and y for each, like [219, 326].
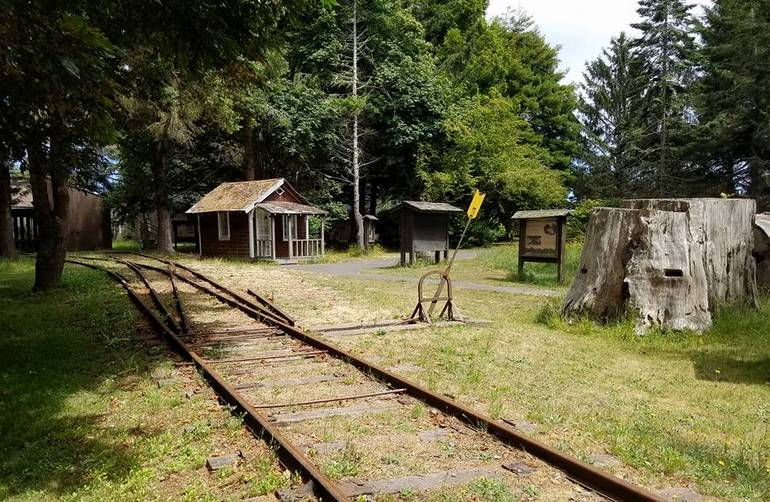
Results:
[306, 248]
[263, 248]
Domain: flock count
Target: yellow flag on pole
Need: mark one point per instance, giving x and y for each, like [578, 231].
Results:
[473, 209]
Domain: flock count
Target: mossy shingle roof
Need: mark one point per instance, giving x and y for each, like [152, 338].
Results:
[236, 196]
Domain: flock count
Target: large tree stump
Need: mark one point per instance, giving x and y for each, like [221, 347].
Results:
[671, 262]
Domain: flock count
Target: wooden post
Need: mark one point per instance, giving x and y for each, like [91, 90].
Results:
[323, 242]
[272, 237]
[289, 223]
[200, 238]
[562, 242]
[251, 234]
[522, 239]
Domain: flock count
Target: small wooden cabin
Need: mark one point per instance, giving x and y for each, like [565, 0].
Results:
[425, 228]
[88, 225]
[263, 219]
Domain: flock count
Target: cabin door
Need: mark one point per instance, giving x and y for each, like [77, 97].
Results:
[263, 234]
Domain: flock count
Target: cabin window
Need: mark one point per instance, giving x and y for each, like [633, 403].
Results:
[289, 222]
[223, 225]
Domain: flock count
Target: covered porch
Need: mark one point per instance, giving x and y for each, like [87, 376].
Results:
[286, 231]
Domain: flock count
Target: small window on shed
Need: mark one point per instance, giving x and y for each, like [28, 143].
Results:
[223, 225]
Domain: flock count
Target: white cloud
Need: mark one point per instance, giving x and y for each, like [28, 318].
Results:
[580, 27]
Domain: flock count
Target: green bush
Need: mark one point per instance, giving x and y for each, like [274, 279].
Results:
[581, 213]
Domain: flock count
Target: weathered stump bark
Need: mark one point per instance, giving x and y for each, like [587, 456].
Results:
[671, 262]
[598, 289]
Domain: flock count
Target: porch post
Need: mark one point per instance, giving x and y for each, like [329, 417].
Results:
[272, 237]
[200, 238]
[323, 219]
[251, 234]
[290, 221]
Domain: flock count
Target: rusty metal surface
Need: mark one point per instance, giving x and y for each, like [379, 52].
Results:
[596, 479]
[291, 456]
[270, 305]
[331, 399]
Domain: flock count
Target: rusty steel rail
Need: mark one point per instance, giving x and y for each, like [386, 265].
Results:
[291, 456]
[272, 306]
[591, 477]
[263, 305]
[253, 310]
[184, 321]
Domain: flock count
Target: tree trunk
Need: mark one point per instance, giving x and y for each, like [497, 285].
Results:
[162, 205]
[51, 213]
[249, 154]
[7, 244]
[669, 261]
[356, 181]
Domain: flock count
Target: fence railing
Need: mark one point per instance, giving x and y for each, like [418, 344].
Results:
[263, 248]
[306, 248]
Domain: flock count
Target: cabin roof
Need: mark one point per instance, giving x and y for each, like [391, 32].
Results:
[278, 207]
[429, 207]
[540, 213]
[240, 196]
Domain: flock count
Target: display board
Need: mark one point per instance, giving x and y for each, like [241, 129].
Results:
[542, 237]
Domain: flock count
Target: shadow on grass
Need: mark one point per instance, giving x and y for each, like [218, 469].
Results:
[57, 364]
[736, 349]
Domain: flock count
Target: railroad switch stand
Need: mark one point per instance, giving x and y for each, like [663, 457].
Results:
[444, 280]
[423, 315]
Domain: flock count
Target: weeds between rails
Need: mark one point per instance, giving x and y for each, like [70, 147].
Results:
[378, 383]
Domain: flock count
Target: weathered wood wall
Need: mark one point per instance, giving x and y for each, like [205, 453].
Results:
[237, 246]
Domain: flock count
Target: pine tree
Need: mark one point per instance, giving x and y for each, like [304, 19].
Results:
[608, 110]
[666, 47]
[734, 94]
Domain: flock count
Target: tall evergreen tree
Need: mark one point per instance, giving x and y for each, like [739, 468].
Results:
[734, 94]
[608, 110]
[666, 48]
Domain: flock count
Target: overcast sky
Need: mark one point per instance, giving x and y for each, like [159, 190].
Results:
[581, 27]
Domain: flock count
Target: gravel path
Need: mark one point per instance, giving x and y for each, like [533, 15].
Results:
[361, 269]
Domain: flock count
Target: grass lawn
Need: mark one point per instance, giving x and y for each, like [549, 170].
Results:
[81, 416]
[498, 264]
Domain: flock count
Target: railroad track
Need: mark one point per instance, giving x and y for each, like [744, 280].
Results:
[349, 427]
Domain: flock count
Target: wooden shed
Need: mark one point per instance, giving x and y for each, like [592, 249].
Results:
[88, 226]
[425, 228]
[263, 219]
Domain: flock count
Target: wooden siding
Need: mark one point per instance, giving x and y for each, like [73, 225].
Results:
[237, 246]
[88, 224]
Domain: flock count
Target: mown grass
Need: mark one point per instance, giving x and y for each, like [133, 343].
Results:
[677, 409]
[352, 253]
[499, 264]
[81, 418]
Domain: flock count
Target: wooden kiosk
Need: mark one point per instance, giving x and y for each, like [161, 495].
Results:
[542, 237]
[425, 228]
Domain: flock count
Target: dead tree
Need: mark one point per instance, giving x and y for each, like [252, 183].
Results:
[672, 262]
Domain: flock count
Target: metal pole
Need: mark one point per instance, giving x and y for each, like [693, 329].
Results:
[445, 275]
